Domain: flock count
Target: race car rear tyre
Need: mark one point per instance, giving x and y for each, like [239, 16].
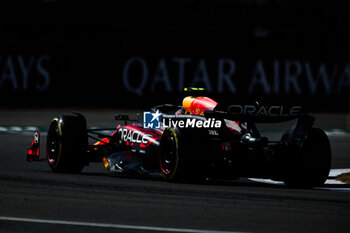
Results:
[182, 155]
[66, 144]
[311, 164]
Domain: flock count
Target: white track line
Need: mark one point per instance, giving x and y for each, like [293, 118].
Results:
[333, 173]
[337, 172]
[108, 225]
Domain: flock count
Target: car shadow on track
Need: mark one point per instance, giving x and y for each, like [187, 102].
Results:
[241, 182]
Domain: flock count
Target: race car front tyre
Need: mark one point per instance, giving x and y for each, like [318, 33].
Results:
[66, 144]
[182, 154]
[311, 164]
[169, 154]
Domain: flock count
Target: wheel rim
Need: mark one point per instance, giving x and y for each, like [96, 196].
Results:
[168, 154]
[52, 144]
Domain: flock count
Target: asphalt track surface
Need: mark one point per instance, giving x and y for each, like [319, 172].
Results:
[33, 199]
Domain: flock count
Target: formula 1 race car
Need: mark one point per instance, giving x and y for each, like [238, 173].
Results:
[200, 139]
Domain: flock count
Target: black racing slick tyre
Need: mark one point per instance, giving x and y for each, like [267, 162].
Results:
[311, 165]
[182, 155]
[66, 144]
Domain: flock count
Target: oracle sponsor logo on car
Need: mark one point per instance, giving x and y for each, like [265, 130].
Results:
[133, 136]
[272, 111]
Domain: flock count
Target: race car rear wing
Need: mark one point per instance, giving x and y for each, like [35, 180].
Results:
[257, 113]
[266, 114]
